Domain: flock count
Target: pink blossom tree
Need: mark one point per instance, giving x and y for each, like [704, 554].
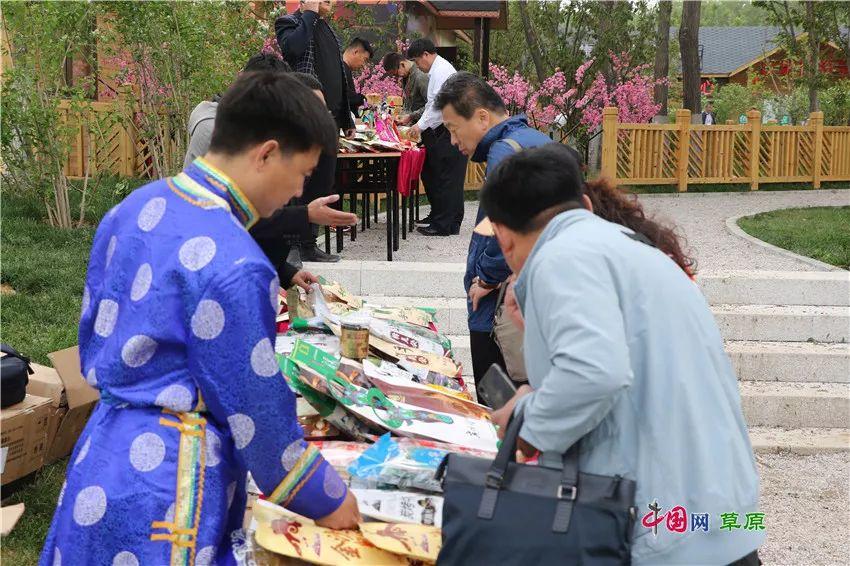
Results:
[374, 79]
[568, 107]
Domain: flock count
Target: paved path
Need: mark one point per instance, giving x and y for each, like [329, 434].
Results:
[701, 217]
[805, 502]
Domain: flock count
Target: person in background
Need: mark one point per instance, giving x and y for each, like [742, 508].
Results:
[444, 171]
[414, 86]
[293, 221]
[355, 57]
[202, 118]
[623, 355]
[709, 118]
[481, 128]
[177, 332]
[268, 231]
[311, 46]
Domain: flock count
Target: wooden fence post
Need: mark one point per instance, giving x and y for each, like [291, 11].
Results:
[683, 124]
[754, 121]
[609, 143]
[816, 121]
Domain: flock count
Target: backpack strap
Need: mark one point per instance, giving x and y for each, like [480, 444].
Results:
[513, 143]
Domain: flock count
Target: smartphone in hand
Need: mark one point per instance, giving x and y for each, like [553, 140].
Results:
[496, 388]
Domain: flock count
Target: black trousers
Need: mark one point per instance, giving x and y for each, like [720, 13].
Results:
[485, 353]
[320, 184]
[443, 175]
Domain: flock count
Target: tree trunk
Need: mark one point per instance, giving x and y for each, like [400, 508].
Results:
[813, 59]
[689, 47]
[531, 40]
[662, 53]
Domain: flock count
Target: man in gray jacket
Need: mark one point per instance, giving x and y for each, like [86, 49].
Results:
[415, 86]
[623, 354]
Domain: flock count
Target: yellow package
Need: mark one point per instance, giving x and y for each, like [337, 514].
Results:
[419, 542]
[294, 536]
[341, 293]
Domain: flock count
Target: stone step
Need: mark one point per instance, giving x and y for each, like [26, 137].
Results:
[737, 322]
[799, 440]
[781, 323]
[790, 361]
[825, 288]
[800, 362]
[422, 279]
[796, 405]
[765, 403]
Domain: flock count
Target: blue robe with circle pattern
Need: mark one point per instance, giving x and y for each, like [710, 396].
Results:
[177, 332]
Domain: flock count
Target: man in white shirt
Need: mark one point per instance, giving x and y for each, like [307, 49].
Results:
[445, 166]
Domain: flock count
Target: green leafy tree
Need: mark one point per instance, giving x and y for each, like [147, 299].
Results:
[724, 13]
[795, 18]
[835, 104]
[35, 127]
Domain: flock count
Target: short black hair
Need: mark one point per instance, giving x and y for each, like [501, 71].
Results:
[467, 93]
[392, 61]
[420, 46]
[528, 188]
[309, 81]
[267, 62]
[362, 44]
[266, 105]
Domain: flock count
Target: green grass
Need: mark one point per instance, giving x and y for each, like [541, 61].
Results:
[39, 494]
[46, 268]
[822, 233]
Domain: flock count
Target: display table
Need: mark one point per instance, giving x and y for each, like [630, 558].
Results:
[362, 177]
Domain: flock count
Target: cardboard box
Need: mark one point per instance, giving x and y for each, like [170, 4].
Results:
[24, 437]
[10, 517]
[72, 400]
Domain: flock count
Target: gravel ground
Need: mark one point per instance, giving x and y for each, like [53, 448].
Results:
[806, 501]
[701, 217]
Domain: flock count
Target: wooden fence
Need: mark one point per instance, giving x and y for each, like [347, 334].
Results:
[685, 153]
[102, 140]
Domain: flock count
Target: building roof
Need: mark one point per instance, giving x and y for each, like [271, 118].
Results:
[467, 9]
[725, 50]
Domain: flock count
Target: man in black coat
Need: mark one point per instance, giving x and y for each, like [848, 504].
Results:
[356, 55]
[311, 46]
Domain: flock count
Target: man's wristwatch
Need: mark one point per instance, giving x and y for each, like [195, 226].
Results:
[484, 285]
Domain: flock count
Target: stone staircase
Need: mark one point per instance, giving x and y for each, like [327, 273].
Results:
[787, 334]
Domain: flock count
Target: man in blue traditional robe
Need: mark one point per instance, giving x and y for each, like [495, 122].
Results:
[177, 332]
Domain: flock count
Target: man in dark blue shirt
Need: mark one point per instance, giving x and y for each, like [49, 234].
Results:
[481, 127]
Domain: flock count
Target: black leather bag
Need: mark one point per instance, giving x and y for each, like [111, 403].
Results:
[501, 512]
[14, 376]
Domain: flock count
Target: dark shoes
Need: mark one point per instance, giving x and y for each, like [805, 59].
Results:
[429, 231]
[314, 254]
[425, 221]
